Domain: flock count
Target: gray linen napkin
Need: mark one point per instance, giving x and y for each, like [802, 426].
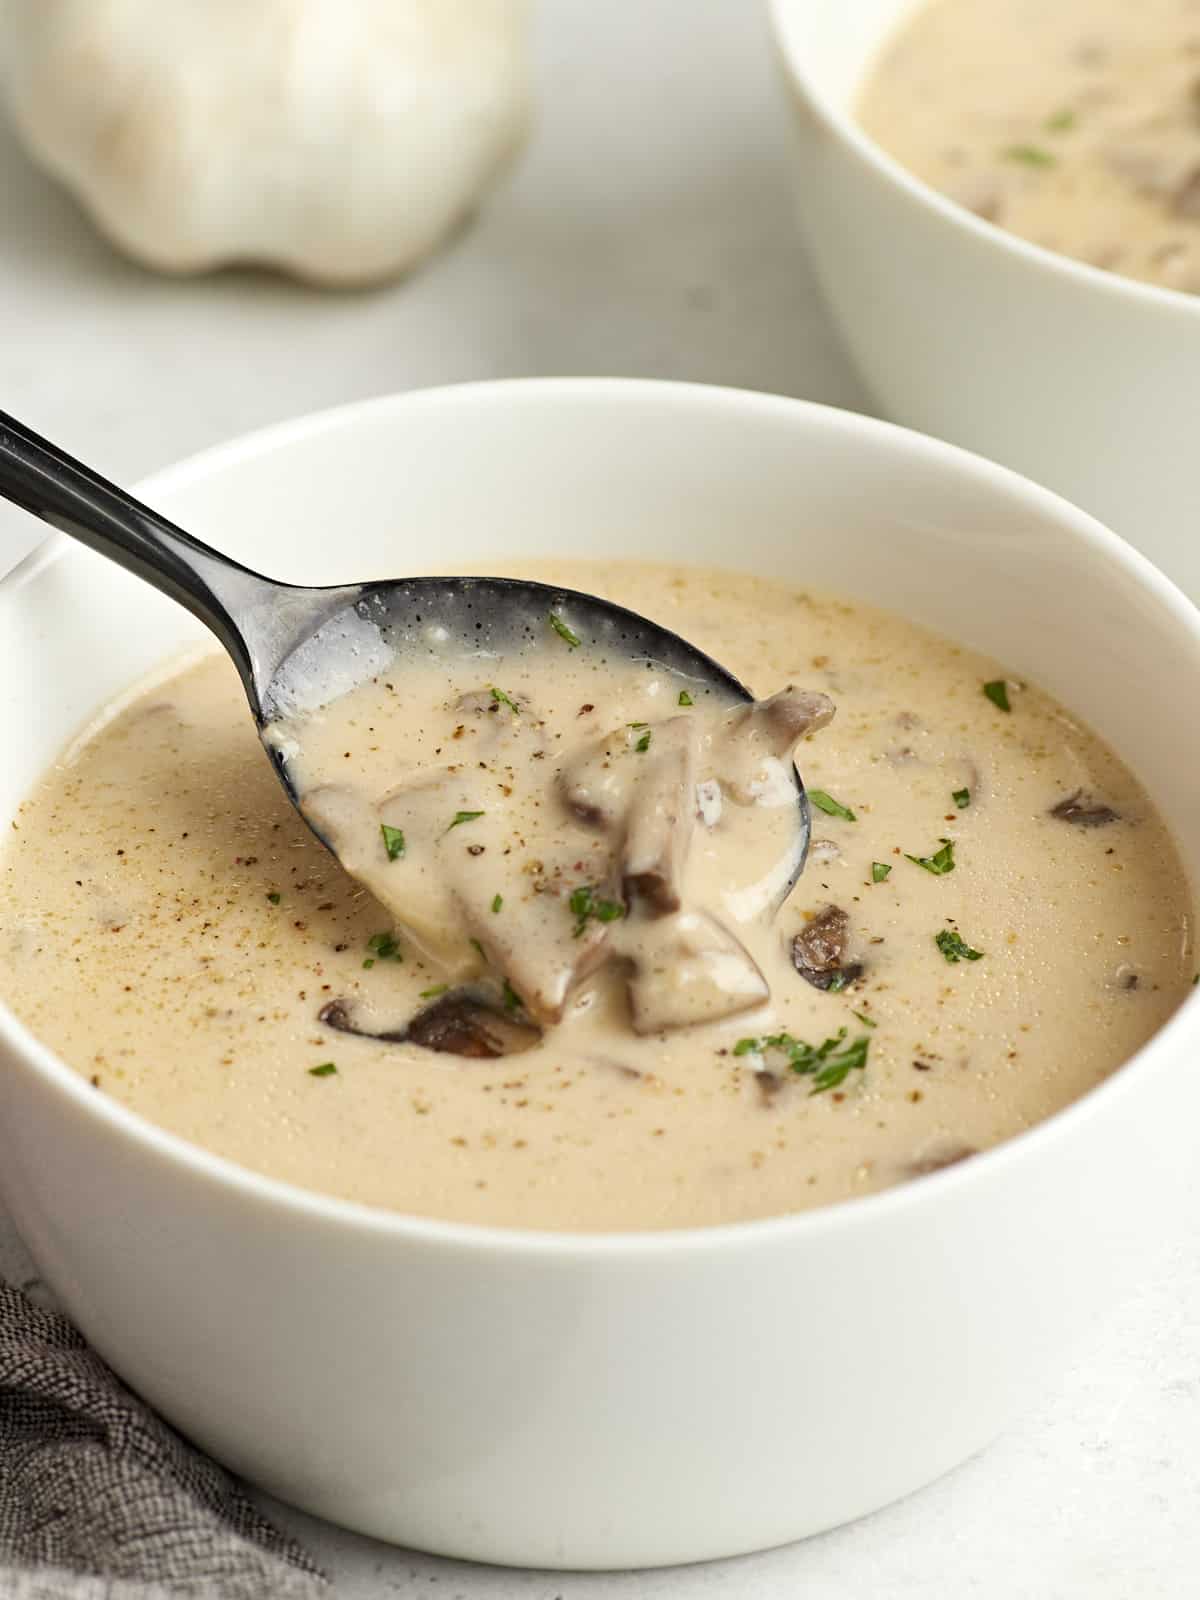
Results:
[101, 1500]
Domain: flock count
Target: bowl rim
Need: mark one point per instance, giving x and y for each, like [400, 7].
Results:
[1136, 292]
[312, 1206]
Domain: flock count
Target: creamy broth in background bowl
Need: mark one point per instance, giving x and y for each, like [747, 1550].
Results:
[1076, 126]
[1086, 380]
[571, 1398]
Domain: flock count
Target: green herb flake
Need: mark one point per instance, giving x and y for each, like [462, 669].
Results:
[564, 632]
[828, 1064]
[954, 948]
[831, 807]
[393, 841]
[497, 902]
[463, 816]
[880, 871]
[475, 945]
[1061, 121]
[512, 1000]
[1029, 155]
[274, 898]
[587, 907]
[432, 994]
[643, 744]
[386, 946]
[867, 1022]
[962, 798]
[940, 863]
[997, 693]
[501, 699]
[326, 1070]
[685, 698]
[368, 963]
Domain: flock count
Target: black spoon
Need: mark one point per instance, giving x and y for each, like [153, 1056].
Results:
[298, 648]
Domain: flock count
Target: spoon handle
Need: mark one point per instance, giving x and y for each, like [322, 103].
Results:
[44, 480]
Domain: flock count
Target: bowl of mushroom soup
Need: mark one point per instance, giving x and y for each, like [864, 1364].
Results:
[1001, 200]
[621, 1301]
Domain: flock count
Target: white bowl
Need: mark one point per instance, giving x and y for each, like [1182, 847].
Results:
[620, 1400]
[1086, 381]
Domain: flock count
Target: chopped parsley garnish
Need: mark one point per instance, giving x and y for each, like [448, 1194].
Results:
[393, 841]
[497, 902]
[637, 724]
[828, 1064]
[368, 963]
[475, 945]
[837, 983]
[274, 898]
[564, 632]
[463, 816]
[954, 948]
[512, 1000]
[501, 699]
[432, 994]
[941, 862]
[1029, 155]
[643, 743]
[385, 946]
[586, 907]
[1061, 121]
[997, 693]
[879, 871]
[962, 798]
[685, 698]
[867, 1022]
[326, 1070]
[831, 807]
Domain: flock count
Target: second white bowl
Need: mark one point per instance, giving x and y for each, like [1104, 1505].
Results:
[1086, 381]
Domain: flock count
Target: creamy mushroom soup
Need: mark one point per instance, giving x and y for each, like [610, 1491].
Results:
[1074, 124]
[559, 993]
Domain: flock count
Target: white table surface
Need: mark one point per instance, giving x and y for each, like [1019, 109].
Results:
[648, 231]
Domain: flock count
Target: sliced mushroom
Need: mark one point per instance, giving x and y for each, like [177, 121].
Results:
[1083, 811]
[542, 947]
[818, 950]
[981, 194]
[337, 1015]
[687, 969]
[938, 1159]
[769, 1084]
[459, 1023]
[661, 817]
[1186, 202]
[755, 738]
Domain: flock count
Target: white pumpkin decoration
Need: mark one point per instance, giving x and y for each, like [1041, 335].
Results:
[337, 139]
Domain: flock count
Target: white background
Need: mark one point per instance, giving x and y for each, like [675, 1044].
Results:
[648, 231]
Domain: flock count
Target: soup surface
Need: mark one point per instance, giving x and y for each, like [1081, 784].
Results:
[1074, 124]
[991, 920]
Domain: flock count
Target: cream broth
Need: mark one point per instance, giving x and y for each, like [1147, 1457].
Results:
[1075, 125]
[992, 919]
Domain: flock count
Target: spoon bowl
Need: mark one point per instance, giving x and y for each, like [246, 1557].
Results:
[298, 648]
